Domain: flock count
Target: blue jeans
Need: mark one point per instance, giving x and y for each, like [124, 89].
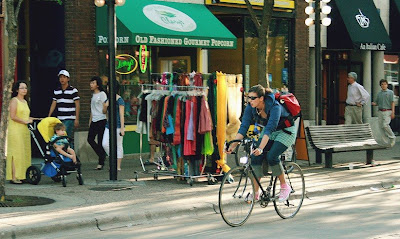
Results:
[69, 128]
[272, 153]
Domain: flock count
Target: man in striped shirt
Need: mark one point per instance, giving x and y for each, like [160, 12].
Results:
[66, 99]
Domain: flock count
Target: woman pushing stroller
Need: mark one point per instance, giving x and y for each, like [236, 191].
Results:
[62, 145]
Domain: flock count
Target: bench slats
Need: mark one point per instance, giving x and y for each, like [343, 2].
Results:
[342, 138]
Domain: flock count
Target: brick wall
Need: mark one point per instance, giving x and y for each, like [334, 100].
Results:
[302, 59]
[80, 50]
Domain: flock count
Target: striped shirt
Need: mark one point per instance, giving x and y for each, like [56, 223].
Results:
[66, 102]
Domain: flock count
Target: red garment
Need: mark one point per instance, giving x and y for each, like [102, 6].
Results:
[205, 122]
[177, 133]
[198, 80]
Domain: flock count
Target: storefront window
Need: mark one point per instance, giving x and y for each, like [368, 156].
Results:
[277, 53]
[391, 64]
[129, 73]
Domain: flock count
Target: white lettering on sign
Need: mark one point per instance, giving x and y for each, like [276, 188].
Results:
[165, 41]
[104, 40]
[221, 43]
[196, 42]
[141, 40]
[373, 47]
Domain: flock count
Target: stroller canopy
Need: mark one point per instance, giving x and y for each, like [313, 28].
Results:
[46, 127]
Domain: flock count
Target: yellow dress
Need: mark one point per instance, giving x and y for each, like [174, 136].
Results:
[18, 143]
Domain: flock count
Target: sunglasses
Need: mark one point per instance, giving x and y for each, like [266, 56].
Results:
[252, 97]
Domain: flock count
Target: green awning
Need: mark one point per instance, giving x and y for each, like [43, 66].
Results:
[159, 23]
[360, 20]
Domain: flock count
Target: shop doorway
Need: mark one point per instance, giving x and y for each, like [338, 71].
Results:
[336, 66]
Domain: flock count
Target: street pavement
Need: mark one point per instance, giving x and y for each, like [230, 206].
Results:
[101, 202]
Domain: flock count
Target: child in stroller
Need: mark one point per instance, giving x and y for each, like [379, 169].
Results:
[62, 145]
[57, 165]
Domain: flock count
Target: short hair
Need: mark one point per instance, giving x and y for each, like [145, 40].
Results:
[99, 82]
[15, 88]
[383, 80]
[58, 126]
[258, 89]
[352, 75]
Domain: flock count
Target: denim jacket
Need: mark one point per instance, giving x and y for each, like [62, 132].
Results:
[274, 110]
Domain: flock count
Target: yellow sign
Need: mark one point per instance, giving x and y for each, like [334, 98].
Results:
[125, 64]
[287, 4]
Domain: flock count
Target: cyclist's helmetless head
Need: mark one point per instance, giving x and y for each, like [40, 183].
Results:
[256, 95]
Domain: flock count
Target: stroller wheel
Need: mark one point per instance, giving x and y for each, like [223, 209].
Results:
[63, 177]
[80, 179]
[33, 175]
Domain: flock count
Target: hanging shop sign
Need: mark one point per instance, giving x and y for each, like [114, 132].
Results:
[287, 4]
[125, 64]
[143, 58]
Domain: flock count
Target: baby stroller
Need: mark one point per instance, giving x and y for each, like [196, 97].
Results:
[55, 165]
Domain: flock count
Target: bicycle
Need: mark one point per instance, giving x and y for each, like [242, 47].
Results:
[236, 200]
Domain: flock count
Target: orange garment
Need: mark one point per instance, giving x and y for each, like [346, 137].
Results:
[221, 119]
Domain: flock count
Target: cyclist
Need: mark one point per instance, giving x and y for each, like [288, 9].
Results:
[275, 137]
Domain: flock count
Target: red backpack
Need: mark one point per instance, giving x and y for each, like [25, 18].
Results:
[291, 104]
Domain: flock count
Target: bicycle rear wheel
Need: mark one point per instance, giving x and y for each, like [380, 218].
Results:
[236, 199]
[294, 177]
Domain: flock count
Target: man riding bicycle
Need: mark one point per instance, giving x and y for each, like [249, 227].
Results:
[275, 137]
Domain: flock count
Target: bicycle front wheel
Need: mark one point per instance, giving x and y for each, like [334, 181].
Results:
[236, 200]
[294, 177]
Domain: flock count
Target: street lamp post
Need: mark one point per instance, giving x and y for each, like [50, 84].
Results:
[112, 113]
[326, 21]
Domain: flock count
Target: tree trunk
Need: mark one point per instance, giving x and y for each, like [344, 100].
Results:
[262, 27]
[262, 63]
[12, 29]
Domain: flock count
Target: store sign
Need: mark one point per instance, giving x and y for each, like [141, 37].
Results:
[373, 46]
[287, 4]
[362, 20]
[143, 53]
[182, 41]
[125, 64]
[169, 18]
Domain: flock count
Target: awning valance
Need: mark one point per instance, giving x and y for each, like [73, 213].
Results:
[161, 23]
[356, 24]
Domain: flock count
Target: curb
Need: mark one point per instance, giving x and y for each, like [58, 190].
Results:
[132, 217]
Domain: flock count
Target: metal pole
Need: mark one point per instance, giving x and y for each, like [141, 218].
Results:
[112, 117]
[318, 81]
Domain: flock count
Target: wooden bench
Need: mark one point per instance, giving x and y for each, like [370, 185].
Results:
[330, 139]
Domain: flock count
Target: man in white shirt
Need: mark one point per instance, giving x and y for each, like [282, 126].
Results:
[357, 96]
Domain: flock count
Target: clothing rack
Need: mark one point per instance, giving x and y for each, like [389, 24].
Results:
[169, 89]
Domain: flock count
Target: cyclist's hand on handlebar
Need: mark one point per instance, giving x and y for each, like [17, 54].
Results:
[256, 152]
[232, 147]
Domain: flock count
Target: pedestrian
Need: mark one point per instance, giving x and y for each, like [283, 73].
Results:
[67, 102]
[385, 102]
[18, 136]
[357, 96]
[97, 120]
[120, 106]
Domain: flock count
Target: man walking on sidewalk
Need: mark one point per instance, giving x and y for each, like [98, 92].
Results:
[385, 102]
[66, 100]
[357, 96]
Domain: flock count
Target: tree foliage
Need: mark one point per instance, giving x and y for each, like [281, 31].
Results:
[11, 32]
[262, 25]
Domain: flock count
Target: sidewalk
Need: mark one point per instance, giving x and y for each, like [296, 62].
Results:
[100, 202]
